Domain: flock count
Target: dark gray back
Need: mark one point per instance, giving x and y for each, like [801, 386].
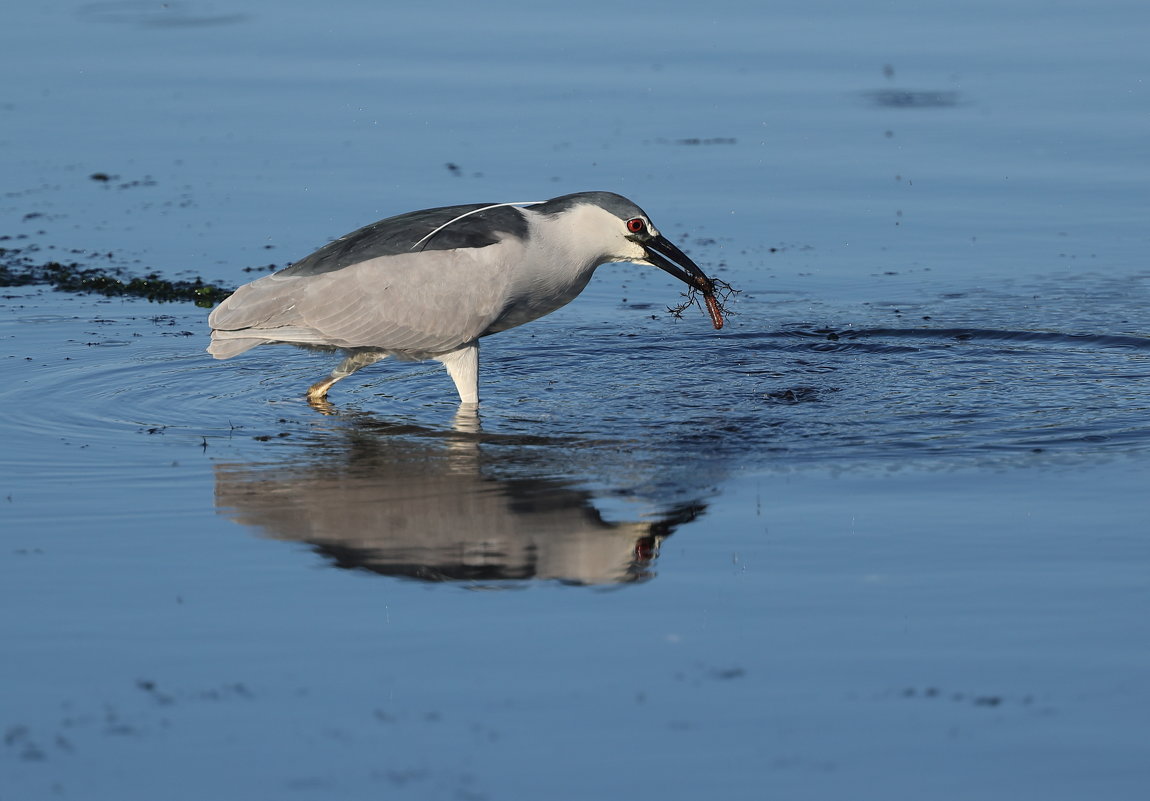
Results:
[397, 235]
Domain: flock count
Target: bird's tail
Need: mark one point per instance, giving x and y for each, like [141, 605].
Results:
[226, 344]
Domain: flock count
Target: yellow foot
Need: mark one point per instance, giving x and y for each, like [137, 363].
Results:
[318, 390]
[317, 396]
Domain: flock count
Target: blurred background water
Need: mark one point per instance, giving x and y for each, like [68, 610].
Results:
[883, 535]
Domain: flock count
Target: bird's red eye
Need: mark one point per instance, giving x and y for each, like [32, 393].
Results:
[635, 225]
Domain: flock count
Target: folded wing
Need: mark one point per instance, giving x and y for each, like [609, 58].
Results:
[414, 305]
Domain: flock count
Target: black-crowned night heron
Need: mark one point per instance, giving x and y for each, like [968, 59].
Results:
[429, 284]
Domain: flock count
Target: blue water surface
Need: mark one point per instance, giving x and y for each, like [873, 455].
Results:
[882, 536]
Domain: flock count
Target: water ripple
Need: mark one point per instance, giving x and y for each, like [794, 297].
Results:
[742, 399]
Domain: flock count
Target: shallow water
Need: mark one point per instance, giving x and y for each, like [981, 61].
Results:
[884, 535]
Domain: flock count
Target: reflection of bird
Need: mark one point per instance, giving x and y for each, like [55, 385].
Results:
[429, 284]
[402, 507]
[447, 527]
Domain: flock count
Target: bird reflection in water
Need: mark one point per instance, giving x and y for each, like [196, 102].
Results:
[443, 506]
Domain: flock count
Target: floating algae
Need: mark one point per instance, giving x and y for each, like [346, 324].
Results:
[19, 269]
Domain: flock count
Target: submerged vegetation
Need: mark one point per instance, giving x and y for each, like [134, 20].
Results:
[19, 269]
[716, 299]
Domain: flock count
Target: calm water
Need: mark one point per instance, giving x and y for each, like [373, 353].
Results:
[883, 536]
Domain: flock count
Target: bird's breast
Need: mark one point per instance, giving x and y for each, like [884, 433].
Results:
[541, 287]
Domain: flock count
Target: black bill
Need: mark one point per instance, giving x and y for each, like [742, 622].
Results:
[669, 258]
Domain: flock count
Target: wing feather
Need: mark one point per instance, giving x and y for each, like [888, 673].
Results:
[476, 225]
[412, 304]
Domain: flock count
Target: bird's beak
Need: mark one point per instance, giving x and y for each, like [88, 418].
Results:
[659, 251]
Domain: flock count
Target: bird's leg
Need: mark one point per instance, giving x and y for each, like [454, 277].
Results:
[463, 367]
[317, 392]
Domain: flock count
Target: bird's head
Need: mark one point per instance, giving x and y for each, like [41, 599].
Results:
[627, 234]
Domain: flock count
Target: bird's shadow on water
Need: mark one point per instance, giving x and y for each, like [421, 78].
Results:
[449, 505]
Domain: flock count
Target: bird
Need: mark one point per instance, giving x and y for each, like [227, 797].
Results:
[430, 284]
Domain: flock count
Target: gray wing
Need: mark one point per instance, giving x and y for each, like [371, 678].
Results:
[414, 304]
[397, 235]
